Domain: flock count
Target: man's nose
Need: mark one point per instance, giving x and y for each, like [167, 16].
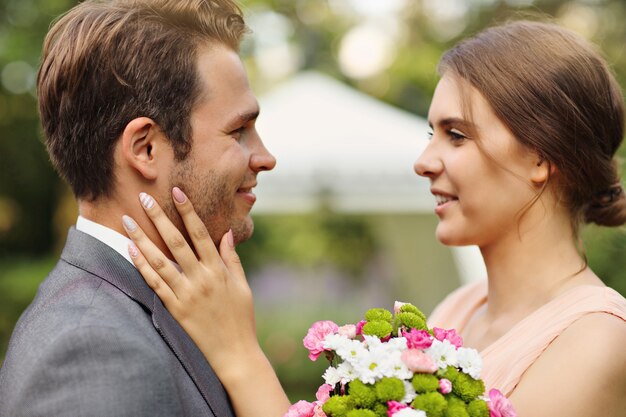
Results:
[261, 159]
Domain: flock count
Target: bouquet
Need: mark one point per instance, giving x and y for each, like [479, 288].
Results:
[393, 365]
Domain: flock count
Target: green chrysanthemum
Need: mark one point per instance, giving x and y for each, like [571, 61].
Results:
[377, 328]
[467, 387]
[410, 308]
[411, 320]
[478, 408]
[450, 373]
[425, 383]
[361, 413]
[433, 403]
[363, 395]
[338, 406]
[375, 314]
[389, 389]
[380, 410]
[456, 411]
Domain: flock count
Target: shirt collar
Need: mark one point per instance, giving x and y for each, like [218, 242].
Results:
[109, 237]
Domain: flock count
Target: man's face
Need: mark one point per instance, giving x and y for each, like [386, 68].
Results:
[227, 153]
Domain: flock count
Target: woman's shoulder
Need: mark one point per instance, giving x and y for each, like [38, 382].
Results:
[459, 305]
[588, 356]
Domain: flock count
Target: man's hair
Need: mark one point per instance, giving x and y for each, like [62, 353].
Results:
[105, 63]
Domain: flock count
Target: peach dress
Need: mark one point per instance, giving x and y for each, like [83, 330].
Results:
[506, 360]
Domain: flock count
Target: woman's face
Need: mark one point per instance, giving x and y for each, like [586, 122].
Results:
[480, 175]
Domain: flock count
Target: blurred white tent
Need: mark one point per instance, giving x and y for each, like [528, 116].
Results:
[344, 150]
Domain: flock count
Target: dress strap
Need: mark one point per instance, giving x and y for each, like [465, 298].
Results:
[509, 357]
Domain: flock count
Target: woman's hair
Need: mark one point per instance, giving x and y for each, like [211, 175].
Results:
[106, 62]
[559, 98]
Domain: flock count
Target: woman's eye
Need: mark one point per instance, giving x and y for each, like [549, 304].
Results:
[455, 135]
[430, 134]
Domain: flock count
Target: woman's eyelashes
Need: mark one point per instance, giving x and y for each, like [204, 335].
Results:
[454, 135]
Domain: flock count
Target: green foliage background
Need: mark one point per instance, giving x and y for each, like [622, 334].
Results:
[34, 202]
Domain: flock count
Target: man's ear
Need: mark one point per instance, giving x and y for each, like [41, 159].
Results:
[142, 144]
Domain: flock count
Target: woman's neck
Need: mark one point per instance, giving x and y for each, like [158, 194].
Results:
[527, 269]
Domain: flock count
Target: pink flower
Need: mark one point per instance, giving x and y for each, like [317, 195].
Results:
[323, 393]
[314, 339]
[449, 335]
[394, 407]
[397, 306]
[359, 327]
[300, 409]
[349, 331]
[317, 410]
[418, 339]
[445, 386]
[499, 405]
[418, 361]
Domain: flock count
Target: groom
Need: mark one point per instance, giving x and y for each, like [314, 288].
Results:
[134, 95]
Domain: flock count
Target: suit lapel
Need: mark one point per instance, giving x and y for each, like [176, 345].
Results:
[87, 253]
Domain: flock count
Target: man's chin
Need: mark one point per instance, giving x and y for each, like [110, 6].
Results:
[243, 231]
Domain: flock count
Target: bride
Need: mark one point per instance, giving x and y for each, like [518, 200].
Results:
[526, 120]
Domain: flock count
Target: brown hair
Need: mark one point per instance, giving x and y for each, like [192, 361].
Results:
[559, 98]
[105, 63]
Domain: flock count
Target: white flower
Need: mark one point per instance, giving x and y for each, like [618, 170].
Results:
[370, 367]
[335, 342]
[409, 412]
[331, 376]
[444, 354]
[352, 351]
[470, 362]
[410, 393]
[347, 373]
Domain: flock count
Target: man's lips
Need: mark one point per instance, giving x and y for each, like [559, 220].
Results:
[247, 194]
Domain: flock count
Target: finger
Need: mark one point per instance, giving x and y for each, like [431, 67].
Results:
[173, 238]
[231, 258]
[154, 280]
[155, 259]
[202, 241]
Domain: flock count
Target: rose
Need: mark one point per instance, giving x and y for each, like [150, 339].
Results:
[394, 407]
[418, 339]
[359, 327]
[314, 339]
[445, 386]
[323, 393]
[499, 405]
[418, 361]
[449, 335]
[348, 330]
[300, 409]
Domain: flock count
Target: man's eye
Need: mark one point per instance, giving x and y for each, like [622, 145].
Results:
[238, 132]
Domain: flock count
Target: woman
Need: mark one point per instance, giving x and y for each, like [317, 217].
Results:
[526, 120]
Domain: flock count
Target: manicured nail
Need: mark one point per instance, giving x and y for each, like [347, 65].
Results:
[230, 238]
[146, 200]
[132, 250]
[179, 196]
[129, 223]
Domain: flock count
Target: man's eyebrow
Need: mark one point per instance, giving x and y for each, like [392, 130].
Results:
[242, 119]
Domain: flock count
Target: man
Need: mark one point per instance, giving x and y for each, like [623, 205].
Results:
[135, 96]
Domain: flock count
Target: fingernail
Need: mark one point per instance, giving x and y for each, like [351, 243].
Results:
[230, 238]
[179, 196]
[132, 250]
[146, 200]
[129, 223]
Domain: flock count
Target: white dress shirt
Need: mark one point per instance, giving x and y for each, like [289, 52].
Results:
[109, 237]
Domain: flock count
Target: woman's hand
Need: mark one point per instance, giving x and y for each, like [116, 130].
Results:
[210, 298]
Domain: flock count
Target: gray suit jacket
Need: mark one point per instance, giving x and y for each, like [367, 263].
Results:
[97, 341]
